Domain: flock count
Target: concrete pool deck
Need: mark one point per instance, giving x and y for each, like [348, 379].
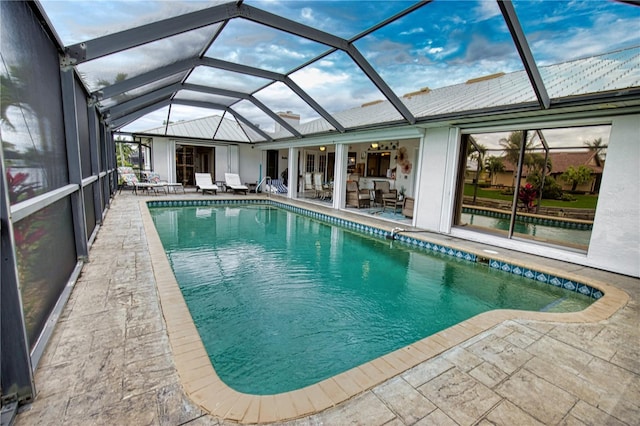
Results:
[116, 358]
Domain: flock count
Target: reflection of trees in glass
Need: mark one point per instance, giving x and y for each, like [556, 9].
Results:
[124, 151]
[598, 148]
[576, 176]
[35, 153]
[493, 165]
[120, 77]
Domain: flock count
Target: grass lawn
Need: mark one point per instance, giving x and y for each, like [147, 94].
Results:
[581, 202]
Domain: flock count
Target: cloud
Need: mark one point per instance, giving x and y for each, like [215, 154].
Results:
[412, 31]
[486, 10]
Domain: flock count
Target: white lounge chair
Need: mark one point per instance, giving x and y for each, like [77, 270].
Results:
[204, 183]
[232, 181]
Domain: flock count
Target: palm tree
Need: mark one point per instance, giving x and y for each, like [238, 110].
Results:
[493, 165]
[476, 151]
[597, 147]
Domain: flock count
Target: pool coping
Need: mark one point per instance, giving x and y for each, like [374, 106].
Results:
[201, 383]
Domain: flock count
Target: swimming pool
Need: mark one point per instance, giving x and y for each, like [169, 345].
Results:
[274, 294]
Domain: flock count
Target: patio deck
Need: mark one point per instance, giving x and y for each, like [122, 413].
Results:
[109, 360]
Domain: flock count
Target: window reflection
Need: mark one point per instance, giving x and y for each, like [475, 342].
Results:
[539, 184]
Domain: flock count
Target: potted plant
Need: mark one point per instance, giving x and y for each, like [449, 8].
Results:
[402, 192]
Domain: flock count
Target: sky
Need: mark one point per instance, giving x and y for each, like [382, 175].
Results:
[440, 44]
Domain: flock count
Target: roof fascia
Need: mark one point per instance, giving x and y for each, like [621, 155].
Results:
[520, 40]
[117, 42]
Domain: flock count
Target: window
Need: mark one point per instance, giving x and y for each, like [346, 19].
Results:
[378, 163]
[536, 184]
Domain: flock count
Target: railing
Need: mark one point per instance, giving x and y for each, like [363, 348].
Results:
[266, 179]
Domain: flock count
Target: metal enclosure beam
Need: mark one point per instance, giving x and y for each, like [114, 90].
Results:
[242, 69]
[92, 113]
[251, 98]
[69, 110]
[135, 104]
[520, 40]
[16, 376]
[313, 104]
[117, 42]
[145, 78]
[240, 117]
[118, 122]
[382, 85]
[275, 116]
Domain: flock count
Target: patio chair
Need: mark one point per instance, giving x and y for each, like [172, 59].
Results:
[204, 183]
[383, 191]
[276, 187]
[308, 181]
[232, 181]
[357, 197]
[317, 184]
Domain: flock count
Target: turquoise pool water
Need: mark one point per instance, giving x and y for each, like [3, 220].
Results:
[282, 300]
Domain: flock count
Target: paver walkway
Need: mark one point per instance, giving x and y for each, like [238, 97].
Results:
[109, 360]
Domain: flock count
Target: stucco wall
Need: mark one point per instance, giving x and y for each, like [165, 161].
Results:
[437, 170]
[615, 240]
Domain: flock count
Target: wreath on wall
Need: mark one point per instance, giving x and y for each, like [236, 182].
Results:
[403, 161]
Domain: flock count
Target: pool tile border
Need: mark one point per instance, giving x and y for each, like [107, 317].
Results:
[556, 281]
[201, 383]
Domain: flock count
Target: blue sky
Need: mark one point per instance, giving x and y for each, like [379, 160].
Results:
[440, 44]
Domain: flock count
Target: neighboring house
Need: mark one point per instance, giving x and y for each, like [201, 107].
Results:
[560, 162]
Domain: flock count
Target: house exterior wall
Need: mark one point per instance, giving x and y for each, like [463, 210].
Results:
[436, 177]
[615, 239]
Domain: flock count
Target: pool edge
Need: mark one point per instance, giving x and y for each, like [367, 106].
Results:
[201, 383]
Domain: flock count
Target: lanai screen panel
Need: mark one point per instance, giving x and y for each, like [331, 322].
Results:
[608, 32]
[153, 120]
[338, 84]
[132, 62]
[445, 44]
[191, 95]
[248, 43]
[33, 136]
[344, 18]
[142, 90]
[228, 80]
[279, 98]
[80, 20]
[258, 117]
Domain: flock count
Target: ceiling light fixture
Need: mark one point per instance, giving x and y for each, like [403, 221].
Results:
[322, 148]
[374, 145]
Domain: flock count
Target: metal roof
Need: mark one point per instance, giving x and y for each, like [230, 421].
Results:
[176, 61]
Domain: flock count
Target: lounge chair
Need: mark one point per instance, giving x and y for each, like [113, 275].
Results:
[232, 181]
[131, 180]
[204, 183]
[153, 177]
[357, 197]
